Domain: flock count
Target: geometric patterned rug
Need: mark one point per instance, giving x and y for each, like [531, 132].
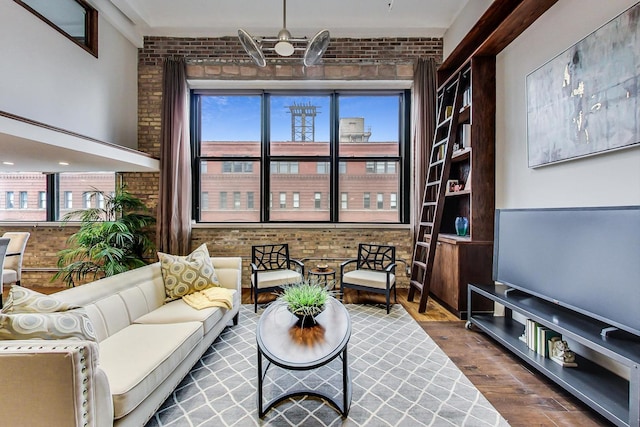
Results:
[400, 377]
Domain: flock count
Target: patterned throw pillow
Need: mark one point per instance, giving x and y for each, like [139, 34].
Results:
[184, 275]
[24, 300]
[73, 324]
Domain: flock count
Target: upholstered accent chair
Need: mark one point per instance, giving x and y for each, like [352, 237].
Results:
[12, 269]
[373, 270]
[272, 268]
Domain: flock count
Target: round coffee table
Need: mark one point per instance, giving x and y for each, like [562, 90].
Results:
[285, 344]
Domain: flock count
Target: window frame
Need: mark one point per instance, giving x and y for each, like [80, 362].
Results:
[336, 163]
[90, 25]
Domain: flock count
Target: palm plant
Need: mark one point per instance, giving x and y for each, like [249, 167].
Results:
[111, 239]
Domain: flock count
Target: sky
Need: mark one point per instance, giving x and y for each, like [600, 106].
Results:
[237, 118]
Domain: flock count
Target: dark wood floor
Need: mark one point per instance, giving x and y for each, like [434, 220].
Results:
[523, 397]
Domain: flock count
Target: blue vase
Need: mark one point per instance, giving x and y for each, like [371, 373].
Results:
[462, 226]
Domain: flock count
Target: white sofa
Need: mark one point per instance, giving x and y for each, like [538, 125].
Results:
[145, 348]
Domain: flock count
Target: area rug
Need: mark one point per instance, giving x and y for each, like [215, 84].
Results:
[400, 378]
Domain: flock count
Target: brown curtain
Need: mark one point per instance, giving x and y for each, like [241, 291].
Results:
[424, 125]
[174, 202]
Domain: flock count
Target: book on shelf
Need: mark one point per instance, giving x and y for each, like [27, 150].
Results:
[448, 111]
[539, 338]
[465, 140]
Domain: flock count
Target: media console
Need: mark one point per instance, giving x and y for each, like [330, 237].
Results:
[616, 398]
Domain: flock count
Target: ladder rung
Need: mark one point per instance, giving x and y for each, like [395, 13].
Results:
[426, 223]
[416, 284]
[438, 162]
[420, 264]
[443, 141]
[429, 204]
[445, 122]
[432, 183]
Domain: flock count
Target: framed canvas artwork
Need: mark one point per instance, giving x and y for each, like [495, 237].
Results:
[585, 100]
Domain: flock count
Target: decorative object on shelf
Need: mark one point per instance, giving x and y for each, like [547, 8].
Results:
[284, 44]
[560, 353]
[322, 267]
[462, 225]
[579, 105]
[305, 300]
[451, 184]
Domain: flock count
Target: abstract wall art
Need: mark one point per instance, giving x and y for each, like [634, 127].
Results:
[585, 100]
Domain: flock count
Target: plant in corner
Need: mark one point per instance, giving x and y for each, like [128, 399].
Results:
[111, 239]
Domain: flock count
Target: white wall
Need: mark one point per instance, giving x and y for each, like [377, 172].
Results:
[462, 24]
[47, 78]
[607, 179]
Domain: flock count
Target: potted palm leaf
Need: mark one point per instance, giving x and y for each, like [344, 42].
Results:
[112, 239]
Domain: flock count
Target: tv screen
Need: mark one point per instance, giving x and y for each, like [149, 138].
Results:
[586, 259]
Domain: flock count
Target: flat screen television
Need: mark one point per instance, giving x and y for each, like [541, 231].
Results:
[585, 259]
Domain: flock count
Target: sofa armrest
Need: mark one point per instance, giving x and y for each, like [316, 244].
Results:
[64, 377]
[229, 272]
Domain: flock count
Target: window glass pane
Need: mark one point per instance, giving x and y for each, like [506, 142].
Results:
[229, 196]
[369, 125]
[20, 194]
[312, 190]
[230, 126]
[358, 184]
[70, 18]
[74, 186]
[299, 125]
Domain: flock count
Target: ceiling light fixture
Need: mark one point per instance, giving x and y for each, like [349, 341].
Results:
[284, 44]
[8, 163]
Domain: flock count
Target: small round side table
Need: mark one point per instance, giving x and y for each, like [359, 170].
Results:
[323, 274]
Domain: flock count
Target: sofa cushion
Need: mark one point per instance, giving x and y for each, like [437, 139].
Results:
[48, 326]
[179, 311]
[140, 357]
[24, 300]
[183, 275]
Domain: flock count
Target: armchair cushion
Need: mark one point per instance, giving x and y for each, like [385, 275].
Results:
[274, 278]
[370, 278]
[183, 275]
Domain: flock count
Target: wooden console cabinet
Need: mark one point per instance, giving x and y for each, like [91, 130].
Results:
[460, 261]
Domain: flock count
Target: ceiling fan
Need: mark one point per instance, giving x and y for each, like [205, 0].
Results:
[284, 44]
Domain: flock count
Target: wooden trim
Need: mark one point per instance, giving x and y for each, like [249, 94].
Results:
[501, 23]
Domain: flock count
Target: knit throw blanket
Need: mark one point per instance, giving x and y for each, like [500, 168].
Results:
[211, 297]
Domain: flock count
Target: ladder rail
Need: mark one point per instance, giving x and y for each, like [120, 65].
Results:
[434, 191]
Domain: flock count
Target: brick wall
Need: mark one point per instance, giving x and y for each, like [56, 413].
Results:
[224, 59]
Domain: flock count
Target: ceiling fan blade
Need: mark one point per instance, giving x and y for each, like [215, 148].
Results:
[316, 48]
[252, 48]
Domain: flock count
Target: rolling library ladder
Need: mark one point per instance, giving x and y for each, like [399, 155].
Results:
[445, 136]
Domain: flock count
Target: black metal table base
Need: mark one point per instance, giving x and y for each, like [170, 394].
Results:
[343, 408]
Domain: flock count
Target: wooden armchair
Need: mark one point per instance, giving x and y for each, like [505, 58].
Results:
[272, 268]
[373, 271]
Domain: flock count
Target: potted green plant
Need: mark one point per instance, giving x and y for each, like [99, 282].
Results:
[305, 300]
[111, 239]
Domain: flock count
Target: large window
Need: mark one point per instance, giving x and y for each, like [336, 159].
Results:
[304, 157]
[27, 194]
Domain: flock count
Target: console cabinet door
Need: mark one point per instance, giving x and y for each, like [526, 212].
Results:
[458, 263]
